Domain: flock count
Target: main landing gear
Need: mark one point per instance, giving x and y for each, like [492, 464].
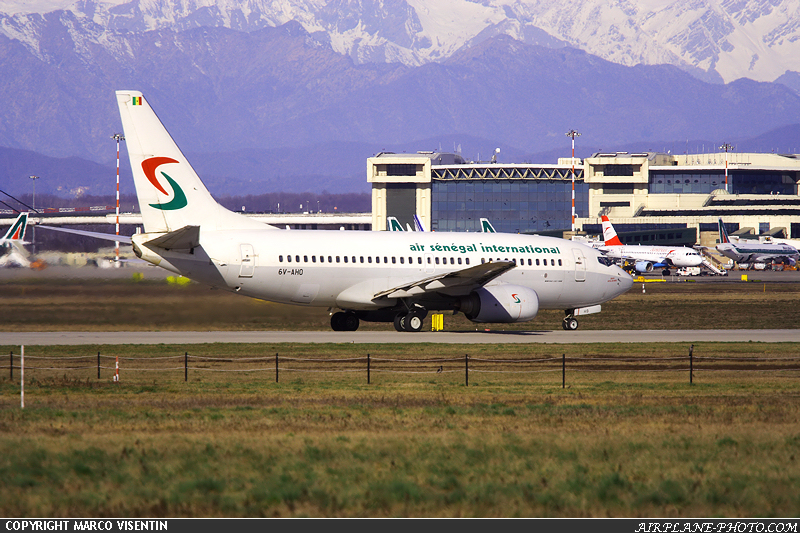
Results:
[344, 321]
[410, 321]
[570, 323]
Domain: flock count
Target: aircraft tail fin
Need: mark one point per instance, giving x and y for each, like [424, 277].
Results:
[171, 195]
[486, 226]
[418, 223]
[392, 224]
[609, 233]
[16, 232]
[723, 234]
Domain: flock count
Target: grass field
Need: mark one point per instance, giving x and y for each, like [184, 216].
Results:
[612, 443]
[32, 304]
[621, 439]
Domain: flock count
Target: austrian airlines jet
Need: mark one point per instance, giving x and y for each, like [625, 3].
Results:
[374, 276]
[646, 257]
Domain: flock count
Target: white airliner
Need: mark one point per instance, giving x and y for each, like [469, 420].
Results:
[374, 276]
[11, 243]
[743, 252]
[647, 257]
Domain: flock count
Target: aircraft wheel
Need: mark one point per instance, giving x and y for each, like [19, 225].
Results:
[350, 322]
[571, 324]
[337, 321]
[399, 322]
[666, 272]
[413, 322]
[564, 324]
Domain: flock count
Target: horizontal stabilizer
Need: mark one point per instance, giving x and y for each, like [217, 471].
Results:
[93, 234]
[186, 238]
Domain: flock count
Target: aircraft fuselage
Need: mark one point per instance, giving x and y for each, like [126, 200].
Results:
[347, 269]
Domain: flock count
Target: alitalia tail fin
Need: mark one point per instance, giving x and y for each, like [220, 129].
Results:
[723, 234]
[171, 195]
[392, 224]
[16, 232]
[609, 233]
[486, 226]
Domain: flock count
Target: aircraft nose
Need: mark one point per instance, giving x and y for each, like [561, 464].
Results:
[625, 281]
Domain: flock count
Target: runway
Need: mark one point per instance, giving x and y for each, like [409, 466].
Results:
[378, 337]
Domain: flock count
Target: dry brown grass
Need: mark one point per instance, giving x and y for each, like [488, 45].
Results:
[92, 305]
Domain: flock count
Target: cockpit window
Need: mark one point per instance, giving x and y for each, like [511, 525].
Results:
[603, 260]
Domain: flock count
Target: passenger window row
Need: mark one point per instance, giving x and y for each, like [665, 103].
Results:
[402, 260]
[531, 262]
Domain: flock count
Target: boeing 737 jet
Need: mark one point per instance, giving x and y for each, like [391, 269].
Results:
[742, 252]
[647, 257]
[393, 276]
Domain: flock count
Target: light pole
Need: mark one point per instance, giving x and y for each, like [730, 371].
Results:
[572, 134]
[726, 147]
[33, 242]
[117, 137]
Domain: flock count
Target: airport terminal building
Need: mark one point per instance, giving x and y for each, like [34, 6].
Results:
[652, 198]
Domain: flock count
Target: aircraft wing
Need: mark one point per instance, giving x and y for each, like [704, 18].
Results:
[458, 282]
[106, 236]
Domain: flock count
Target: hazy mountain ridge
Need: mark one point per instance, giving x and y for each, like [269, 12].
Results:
[267, 108]
[759, 39]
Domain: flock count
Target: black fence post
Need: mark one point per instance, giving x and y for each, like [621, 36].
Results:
[276, 367]
[11, 365]
[98, 365]
[563, 371]
[185, 367]
[368, 368]
[691, 364]
[466, 370]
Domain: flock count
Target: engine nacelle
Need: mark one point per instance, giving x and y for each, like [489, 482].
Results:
[501, 303]
[644, 266]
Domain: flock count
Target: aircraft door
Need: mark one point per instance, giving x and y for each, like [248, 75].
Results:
[580, 264]
[248, 261]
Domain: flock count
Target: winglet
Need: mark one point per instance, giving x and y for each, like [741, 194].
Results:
[609, 233]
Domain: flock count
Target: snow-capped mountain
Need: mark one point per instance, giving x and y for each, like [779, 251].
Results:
[716, 40]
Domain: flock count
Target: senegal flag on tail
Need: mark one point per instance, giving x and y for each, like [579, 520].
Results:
[137, 100]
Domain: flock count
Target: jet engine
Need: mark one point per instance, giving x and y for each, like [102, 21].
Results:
[644, 266]
[501, 303]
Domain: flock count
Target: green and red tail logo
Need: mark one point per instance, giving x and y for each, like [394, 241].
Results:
[516, 299]
[17, 230]
[179, 198]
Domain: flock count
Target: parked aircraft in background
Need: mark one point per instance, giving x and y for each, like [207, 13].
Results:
[392, 224]
[646, 257]
[11, 243]
[395, 276]
[486, 226]
[743, 252]
[765, 239]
